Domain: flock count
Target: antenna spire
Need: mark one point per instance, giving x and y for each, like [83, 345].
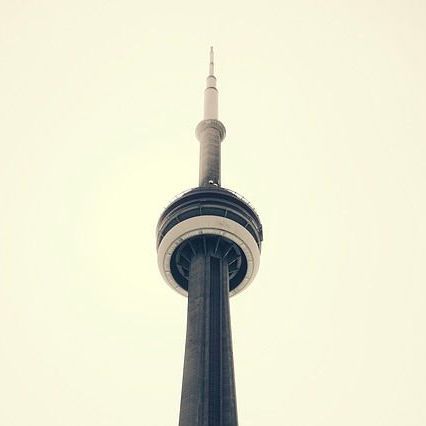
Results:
[210, 132]
[211, 69]
[210, 94]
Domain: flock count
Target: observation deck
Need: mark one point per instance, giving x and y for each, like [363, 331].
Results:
[209, 219]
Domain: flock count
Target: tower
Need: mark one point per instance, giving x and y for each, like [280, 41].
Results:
[208, 246]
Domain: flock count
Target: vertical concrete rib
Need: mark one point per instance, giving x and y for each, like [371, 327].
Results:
[208, 388]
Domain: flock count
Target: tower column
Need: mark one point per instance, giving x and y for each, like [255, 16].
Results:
[208, 245]
[208, 388]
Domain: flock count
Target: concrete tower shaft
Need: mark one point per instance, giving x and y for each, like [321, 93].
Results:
[208, 245]
[208, 387]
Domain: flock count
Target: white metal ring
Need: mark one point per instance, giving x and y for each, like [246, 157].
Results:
[212, 225]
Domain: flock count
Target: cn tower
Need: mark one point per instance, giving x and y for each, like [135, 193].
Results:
[208, 244]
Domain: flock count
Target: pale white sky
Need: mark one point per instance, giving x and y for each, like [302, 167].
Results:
[324, 104]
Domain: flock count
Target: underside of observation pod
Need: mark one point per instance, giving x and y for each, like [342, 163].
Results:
[215, 221]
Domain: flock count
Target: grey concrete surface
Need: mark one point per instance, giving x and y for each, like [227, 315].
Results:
[208, 388]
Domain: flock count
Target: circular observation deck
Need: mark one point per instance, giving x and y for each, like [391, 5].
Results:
[210, 220]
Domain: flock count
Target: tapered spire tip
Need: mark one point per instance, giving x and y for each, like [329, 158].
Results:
[210, 94]
[211, 70]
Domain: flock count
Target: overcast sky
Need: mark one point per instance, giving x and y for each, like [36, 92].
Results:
[324, 105]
